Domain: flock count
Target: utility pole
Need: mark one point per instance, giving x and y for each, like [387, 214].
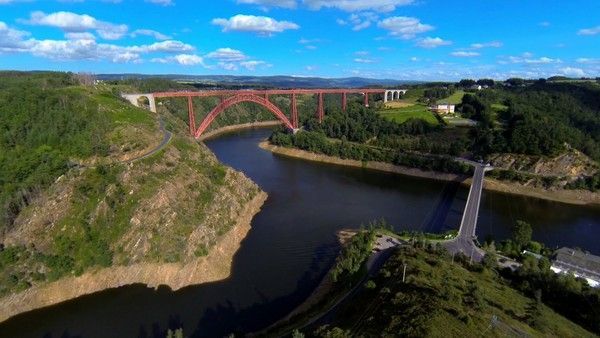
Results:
[471, 259]
[404, 273]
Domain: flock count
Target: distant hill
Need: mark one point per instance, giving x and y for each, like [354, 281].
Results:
[266, 81]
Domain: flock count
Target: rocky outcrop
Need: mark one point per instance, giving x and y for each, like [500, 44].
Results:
[216, 266]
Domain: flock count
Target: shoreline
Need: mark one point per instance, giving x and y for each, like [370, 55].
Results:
[214, 267]
[574, 197]
[236, 127]
[318, 294]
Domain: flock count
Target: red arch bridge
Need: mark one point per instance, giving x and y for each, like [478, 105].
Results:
[261, 97]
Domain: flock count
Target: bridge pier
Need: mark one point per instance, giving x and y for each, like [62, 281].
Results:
[294, 111]
[191, 115]
[320, 111]
[134, 100]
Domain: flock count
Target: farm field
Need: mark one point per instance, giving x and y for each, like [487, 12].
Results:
[455, 98]
[401, 115]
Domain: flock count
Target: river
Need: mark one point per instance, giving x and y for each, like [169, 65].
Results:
[292, 243]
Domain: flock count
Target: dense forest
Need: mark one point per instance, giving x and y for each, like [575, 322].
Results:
[540, 119]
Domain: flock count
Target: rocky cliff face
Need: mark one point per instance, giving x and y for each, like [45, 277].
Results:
[570, 164]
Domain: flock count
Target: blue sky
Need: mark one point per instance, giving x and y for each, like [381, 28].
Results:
[397, 39]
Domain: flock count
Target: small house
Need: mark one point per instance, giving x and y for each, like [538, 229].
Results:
[443, 108]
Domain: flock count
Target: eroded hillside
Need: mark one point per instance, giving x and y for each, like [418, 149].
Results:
[110, 206]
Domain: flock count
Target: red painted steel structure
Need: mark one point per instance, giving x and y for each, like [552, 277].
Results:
[229, 98]
[191, 115]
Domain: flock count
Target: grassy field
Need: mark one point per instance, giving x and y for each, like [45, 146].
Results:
[401, 115]
[398, 104]
[499, 107]
[455, 98]
[412, 95]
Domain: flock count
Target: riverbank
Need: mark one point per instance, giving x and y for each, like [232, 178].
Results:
[317, 297]
[213, 267]
[236, 127]
[577, 197]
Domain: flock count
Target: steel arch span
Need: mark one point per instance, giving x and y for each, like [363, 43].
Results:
[239, 98]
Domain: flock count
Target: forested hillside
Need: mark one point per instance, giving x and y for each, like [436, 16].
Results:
[447, 297]
[78, 192]
[540, 119]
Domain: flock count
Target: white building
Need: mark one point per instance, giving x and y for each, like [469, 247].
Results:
[578, 263]
[443, 108]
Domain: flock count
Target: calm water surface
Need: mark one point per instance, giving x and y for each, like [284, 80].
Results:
[292, 243]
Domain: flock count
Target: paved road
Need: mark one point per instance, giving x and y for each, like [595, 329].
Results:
[464, 242]
[167, 135]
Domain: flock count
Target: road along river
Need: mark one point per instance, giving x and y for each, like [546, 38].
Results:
[293, 242]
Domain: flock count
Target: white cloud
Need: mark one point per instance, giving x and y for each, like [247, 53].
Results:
[363, 60]
[571, 71]
[182, 59]
[362, 53]
[430, 42]
[589, 31]
[228, 66]
[587, 60]
[256, 24]
[227, 54]
[252, 65]
[527, 58]
[358, 5]
[290, 4]
[232, 59]
[492, 44]
[83, 46]
[464, 54]
[11, 40]
[544, 24]
[404, 27]
[80, 36]
[72, 22]
[169, 46]
[361, 26]
[360, 21]
[304, 41]
[161, 2]
[150, 32]
[542, 60]
[414, 59]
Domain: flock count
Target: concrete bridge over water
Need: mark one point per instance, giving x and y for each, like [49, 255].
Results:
[465, 241]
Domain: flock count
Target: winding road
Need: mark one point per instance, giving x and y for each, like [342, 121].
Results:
[167, 135]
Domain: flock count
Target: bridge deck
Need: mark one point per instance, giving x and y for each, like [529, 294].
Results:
[464, 242]
[272, 92]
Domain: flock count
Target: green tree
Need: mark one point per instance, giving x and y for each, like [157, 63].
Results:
[521, 234]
